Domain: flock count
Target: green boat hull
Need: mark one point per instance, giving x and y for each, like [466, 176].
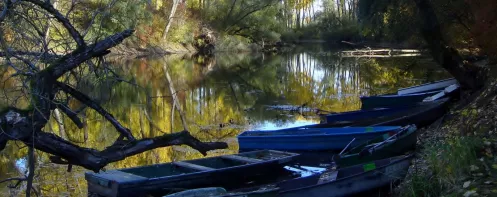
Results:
[400, 146]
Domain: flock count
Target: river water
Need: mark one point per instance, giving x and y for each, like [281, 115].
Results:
[220, 96]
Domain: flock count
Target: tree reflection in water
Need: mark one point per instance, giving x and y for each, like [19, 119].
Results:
[221, 96]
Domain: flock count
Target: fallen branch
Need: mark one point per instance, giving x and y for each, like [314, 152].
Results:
[68, 153]
[71, 114]
[77, 57]
[94, 105]
[18, 179]
[17, 125]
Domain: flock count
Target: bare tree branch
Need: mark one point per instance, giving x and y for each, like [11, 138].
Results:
[94, 105]
[91, 159]
[42, 56]
[18, 179]
[63, 20]
[74, 59]
[71, 114]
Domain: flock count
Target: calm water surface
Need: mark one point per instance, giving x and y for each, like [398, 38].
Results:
[221, 96]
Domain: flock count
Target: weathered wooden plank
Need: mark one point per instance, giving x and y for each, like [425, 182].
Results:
[192, 166]
[242, 159]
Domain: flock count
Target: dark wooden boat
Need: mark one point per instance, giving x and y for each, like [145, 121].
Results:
[335, 183]
[220, 171]
[371, 102]
[380, 148]
[427, 87]
[392, 101]
[310, 139]
[347, 181]
[221, 192]
[421, 115]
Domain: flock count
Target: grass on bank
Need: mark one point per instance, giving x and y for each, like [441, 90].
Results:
[447, 165]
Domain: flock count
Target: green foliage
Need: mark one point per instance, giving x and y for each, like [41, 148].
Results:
[331, 24]
[393, 21]
[348, 31]
[291, 35]
[448, 163]
[182, 33]
[120, 16]
[233, 43]
[419, 185]
[252, 19]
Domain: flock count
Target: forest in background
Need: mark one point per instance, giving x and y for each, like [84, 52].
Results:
[180, 25]
[52, 48]
[247, 25]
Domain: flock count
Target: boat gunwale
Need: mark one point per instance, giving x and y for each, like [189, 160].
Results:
[441, 103]
[362, 132]
[402, 109]
[191, 175]
[402, 95]
[426, 84]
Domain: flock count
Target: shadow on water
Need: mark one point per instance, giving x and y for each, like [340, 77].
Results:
[221, 96]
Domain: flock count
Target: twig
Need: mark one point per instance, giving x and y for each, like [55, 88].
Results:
[18, 179]
[63, 20]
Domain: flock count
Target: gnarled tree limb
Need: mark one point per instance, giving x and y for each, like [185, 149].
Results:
[68, 153]
[71, 114]
[75, 58]
[94, 105]
[17, 126]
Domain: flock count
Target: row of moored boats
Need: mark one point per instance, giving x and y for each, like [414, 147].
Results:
[347, 153]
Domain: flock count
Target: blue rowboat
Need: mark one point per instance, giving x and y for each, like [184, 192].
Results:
[370, 102]
[428, 87]
[221, 171]
[421, 115]
[311, 139]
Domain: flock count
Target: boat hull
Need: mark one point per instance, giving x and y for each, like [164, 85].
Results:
[152, 180]
[428, 87]
[399, 146]
[350, 185]
[371, 102]
[302, 141]
[420, 115]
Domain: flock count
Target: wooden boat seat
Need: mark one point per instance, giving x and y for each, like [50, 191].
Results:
[192, 166]
[242, 159]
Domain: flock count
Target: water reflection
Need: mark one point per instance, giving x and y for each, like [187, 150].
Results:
[221, 97]
[271, 125]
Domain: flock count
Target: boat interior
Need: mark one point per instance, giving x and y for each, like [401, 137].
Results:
[207, 164]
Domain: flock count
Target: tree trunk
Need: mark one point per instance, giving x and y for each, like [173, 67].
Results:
[467, 75]
[170, 20]
[60, 122]
[175, 98]
[338, 8]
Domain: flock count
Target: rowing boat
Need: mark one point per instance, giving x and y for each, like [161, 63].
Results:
[221, 171]
[311, 139]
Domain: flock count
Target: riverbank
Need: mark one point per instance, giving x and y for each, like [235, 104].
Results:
[456, 154]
